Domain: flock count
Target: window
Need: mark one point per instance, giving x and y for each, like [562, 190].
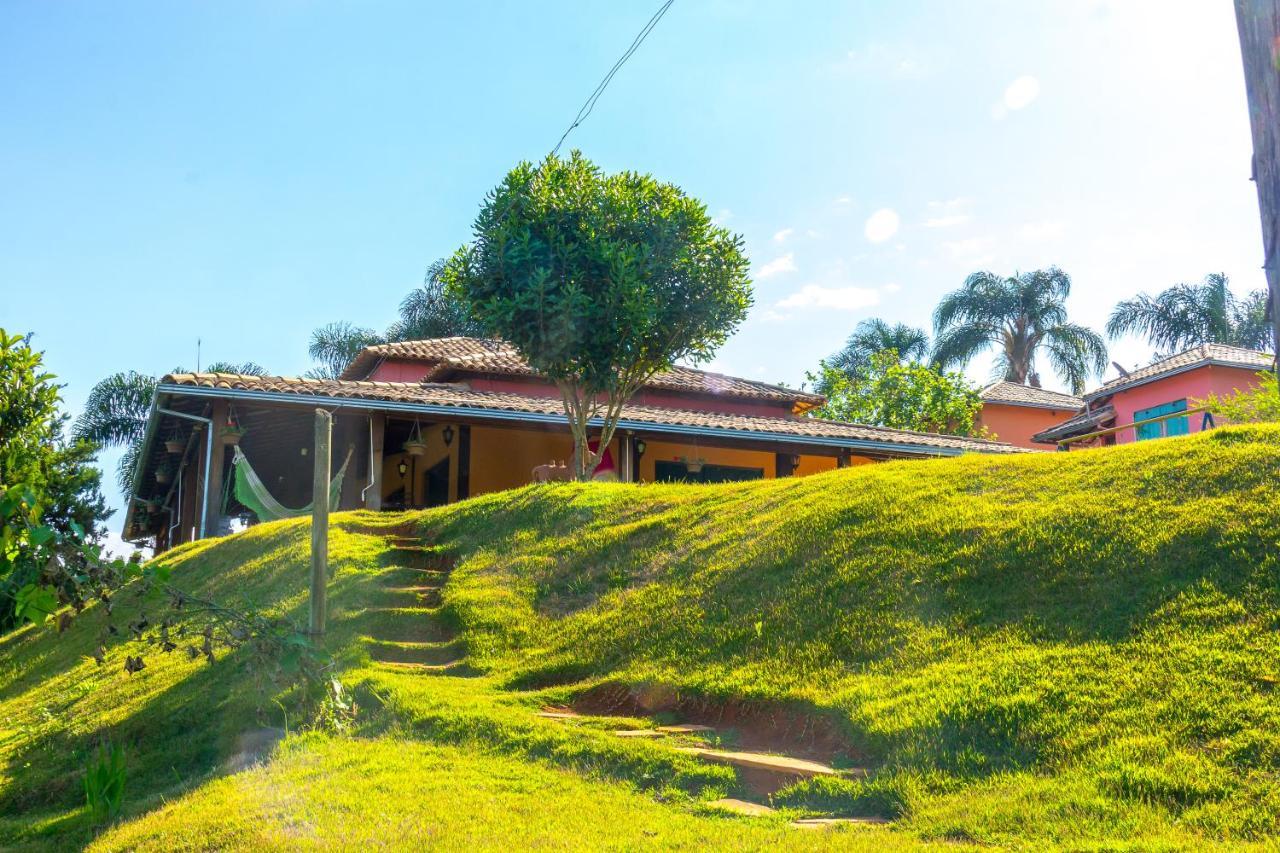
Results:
[1160, 429]
[678, 472]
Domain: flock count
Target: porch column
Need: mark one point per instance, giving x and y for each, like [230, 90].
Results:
[378, 427]
[626, 445]
[784, 465]
[213, 477]
[464, 462]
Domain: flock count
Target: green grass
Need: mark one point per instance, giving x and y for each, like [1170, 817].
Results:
[1073, 650]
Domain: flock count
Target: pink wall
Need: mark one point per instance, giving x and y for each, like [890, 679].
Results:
[413, 371]
[1016, 424]
[1191, 385]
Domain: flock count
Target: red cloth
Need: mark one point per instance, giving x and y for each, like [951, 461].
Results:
[606, 461]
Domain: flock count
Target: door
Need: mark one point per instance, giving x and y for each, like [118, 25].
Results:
[437, 483]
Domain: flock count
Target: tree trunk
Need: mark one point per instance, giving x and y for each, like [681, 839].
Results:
[1258, 22]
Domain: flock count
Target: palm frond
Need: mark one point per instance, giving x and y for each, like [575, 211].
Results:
[335, 345]
[115, 412]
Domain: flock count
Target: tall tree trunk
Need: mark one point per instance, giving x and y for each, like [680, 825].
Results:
[1258, 22]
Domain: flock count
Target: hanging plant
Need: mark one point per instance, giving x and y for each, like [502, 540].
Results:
[175, 444]
[693, 466]
[164, 474]
[231, 431]
[416, 445]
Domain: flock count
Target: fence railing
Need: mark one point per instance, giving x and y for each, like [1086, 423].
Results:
[1065, 444]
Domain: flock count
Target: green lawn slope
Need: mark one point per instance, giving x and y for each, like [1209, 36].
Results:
[1074, 650]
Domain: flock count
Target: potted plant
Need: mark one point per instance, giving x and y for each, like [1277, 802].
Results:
[175, 444]
[164, 473]
[693, 466]
[415, 445]
[152, 504]
[231, 434]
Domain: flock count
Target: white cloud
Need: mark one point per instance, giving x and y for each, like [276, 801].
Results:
[837, 298]
[781, 236]
[881, 225]
[1017, 95]
[1042, 232]
[949, 221]
[844, 199]
[785, 263]
[881, 60]
[722, 217]
[891, 287]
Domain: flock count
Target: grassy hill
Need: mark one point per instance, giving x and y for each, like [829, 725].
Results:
[1073, 650]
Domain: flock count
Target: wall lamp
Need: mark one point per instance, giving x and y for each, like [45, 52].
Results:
[448, 434]
[640, 446]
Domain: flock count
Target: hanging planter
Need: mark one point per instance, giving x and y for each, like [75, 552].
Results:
[163, 474]
[175, 445]
[152, 505]
[693, 466]
[231, 434]
[416, 445]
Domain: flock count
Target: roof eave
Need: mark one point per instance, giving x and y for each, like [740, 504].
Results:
[1146, 380]
[374, 404]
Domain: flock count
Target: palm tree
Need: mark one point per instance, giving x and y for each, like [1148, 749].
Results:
[429, 311]
[116, 411]
[1020, 315]
[1187, 315]
[876, 336]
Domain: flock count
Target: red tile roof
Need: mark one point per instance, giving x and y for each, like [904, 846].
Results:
[1016, 394]
[450, 356]
[459, 396]
[1205, 354]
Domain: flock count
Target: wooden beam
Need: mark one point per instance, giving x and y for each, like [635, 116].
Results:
[320, 522]
[216, 463]
[1258, 22]
[782, 466]
[378, 421]
[464, 462]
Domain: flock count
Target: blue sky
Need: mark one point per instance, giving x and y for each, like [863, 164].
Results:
[243, 172]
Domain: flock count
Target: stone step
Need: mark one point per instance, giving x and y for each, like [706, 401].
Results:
[824, 822]
[558, 714]
[742, 807]
[766, 761]
[685, 729]
[453, 666]
[638, 733]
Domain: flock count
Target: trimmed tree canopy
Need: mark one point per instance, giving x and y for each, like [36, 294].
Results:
[600, 281]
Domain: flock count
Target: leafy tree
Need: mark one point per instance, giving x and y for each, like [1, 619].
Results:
[429, 311]
[901, 395]
[1187, 315]
[50, 503]
[600, 281]
[869, 338]
[116, 411]
[1021, 316]
[1260, 405]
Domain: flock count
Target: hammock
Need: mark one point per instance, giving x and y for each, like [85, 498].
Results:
[252, 492]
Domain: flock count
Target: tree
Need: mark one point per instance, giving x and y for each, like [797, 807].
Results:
[429, 311]
[1257, 405]
[1187, 315]
[600, 281]
[869, 338]
[116, 411]
[50, 503]
[900, 395]
[1020, 315]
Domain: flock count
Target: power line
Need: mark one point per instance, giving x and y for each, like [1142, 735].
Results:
[595, 96]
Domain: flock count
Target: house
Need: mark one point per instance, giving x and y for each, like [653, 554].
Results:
[1165, 387]
[1014, 412]
[423, 423]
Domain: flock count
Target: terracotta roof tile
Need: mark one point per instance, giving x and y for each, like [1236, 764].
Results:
[459, 396]
[1079, 425]
[1015, 394]
[1195, 357]
[460, 355]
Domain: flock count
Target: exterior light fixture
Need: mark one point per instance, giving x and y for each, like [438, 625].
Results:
[640, 447]
[448, 434]
[403, 468]
[795, 460]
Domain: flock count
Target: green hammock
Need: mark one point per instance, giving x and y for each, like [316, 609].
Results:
[252, 492]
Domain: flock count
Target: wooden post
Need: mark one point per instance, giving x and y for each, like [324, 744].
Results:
[320, 522]
[464, 462]
[214, 474]
[1258, 22]
[782, 465]
[378, 425]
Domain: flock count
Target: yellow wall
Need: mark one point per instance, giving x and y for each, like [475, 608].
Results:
[503, 458]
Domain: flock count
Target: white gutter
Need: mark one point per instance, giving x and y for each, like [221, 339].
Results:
[208, 461]
[557, 418]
